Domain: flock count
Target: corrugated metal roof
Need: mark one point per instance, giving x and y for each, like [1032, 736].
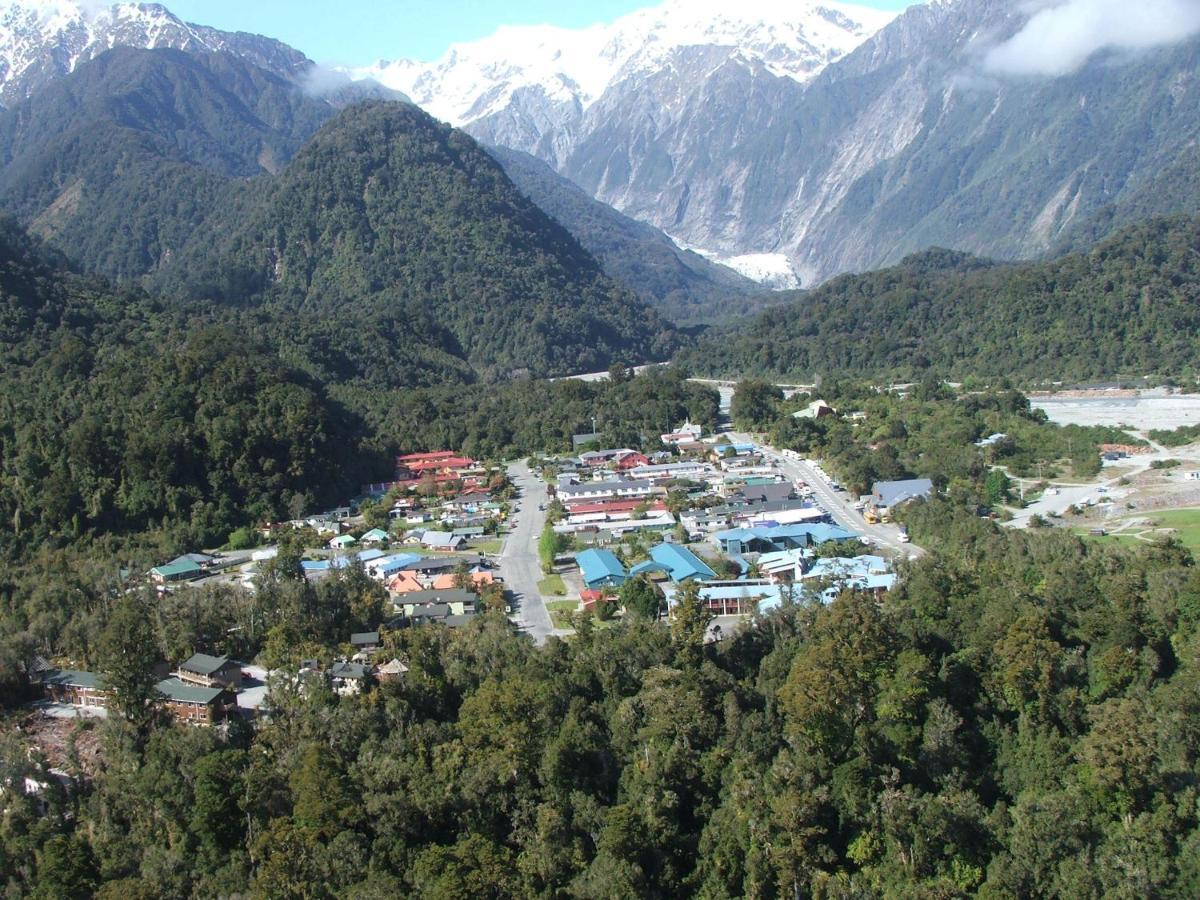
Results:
[597, 565]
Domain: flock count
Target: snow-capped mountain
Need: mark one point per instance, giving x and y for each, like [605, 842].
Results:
[484, 78]
[575, 98]
[43, 39]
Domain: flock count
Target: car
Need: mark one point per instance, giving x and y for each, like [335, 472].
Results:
[904, 538]
[1101, 490]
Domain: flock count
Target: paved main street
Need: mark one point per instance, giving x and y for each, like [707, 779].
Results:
[519, 564]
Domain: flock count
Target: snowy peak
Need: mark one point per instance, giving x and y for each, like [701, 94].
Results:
[474, 80]
[43, 39]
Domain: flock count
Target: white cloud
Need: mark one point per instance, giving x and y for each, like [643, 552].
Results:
[1060, 38]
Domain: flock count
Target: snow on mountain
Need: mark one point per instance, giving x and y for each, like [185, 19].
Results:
[792, 38]
[43, 39]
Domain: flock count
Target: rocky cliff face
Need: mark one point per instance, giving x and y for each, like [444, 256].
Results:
[851, 155]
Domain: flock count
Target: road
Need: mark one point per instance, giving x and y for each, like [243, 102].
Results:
[837, 503]
[519, 563]
[1108, 487]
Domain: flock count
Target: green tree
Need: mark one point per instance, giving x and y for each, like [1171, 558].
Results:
[127, 656]
[640, 597]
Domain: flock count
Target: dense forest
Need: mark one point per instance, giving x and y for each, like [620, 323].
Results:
[1125, 307]
[1019, 719]
[122, 413]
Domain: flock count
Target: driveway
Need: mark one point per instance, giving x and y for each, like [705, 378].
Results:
[519, 563]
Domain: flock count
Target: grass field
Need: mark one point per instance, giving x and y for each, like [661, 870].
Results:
[489, 547]
[552, 586]
[1185, 522]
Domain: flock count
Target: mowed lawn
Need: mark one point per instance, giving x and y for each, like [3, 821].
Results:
[1186, 522]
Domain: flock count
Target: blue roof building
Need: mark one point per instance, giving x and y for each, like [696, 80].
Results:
[781, 537]
[679, 563]
[600, 568]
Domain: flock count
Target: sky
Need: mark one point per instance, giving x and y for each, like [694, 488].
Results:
[356, 32]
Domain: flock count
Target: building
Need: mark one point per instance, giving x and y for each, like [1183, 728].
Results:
[686, 433]
[342, 542]
[600, 568]
[457, 601]
[596, 458]
[890, 494]
[394, 670]
[184, 570]
[348, 678]
[592, 491]
[730, 598]
[365, 641]
[442, 540]
[632, 461]
[678, 563]
[389, 566]
[688, 471]
[195, 705]
[584, 440]
[769, 539]
[85, 690]
[375, 536]
[210, 671]
[818, 409]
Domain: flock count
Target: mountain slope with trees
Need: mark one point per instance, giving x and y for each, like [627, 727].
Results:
[386, 216]
[1128, 306]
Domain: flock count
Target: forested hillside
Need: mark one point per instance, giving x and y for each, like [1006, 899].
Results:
[102, 431]
[386, 215]
[1128, 306]
[1018, 720]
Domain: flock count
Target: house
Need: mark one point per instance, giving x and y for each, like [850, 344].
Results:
[405, 583]
[818, 409]
[685, 434]
[82, 689]
[470, 533]
[584, 440]
[210, 671]
[600, 568]
[348, 678]
[375, 536]
[391, 671]
[890, 494]
[365, 641]
[596, 458]
[457, 601]
[449, 580]
[442, 540]
[175, 572]
[342, 542]
[678, 563]
[195, 705]
[632, 461]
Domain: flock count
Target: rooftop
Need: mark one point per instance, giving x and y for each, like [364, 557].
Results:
[178, 692]
[203, 664]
